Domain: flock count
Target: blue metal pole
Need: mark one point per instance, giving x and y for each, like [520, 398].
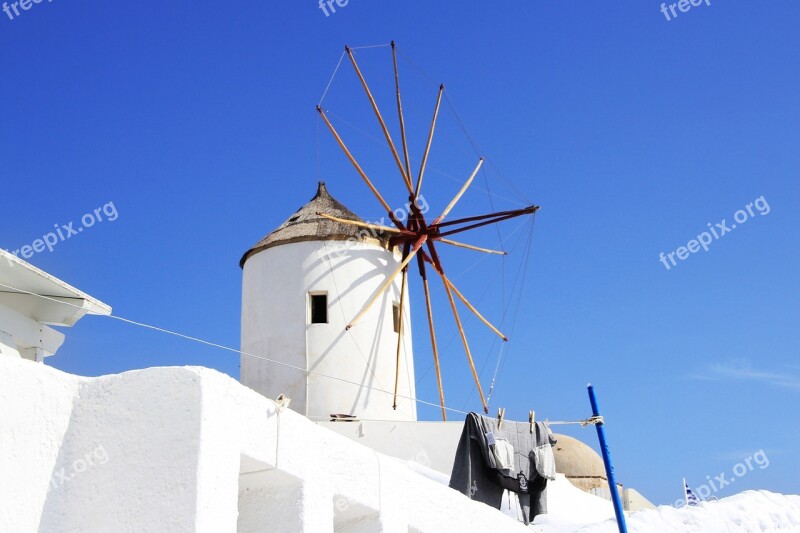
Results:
[612, 482]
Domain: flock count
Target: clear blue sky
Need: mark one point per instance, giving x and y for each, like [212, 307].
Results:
[633, 132]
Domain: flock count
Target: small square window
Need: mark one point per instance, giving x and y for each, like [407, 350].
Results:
[319, 308]
[396, 317]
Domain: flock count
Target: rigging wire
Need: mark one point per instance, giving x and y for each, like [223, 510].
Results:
[330, 82]
[229, 349]
[460, 121]
[503, 294]
[514, 290]
[477, 150]
[370, 46]
[421, 70]
[500, 365]
[382, 142]
[585, 422]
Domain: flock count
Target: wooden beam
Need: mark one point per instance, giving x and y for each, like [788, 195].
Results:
[428, 145]
[472, 308]
[434, 258]
[478, 225]
[516, 212]
[386, 134]
[466, 344]
[458, 196]
[400, 113]
[399, 332]
[471, 247]
[432, 331]
[376, 227]
[360, 170]
[389, 280]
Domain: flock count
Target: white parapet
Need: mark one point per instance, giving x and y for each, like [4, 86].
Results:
[190, 449]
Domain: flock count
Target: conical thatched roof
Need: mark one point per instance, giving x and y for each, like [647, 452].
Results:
[307, 225]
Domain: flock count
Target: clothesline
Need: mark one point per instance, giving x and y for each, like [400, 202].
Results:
[588, 421]
[585, 422]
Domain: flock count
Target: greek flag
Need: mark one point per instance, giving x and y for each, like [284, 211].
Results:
[691, 499]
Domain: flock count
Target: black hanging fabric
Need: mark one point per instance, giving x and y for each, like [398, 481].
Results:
[478, 471]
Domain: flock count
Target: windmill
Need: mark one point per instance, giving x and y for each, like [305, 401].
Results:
[419, 238]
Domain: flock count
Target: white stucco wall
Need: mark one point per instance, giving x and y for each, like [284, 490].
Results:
[36, 408]
[275, 323]
[132, 452]
[189, 449]
[430, 444]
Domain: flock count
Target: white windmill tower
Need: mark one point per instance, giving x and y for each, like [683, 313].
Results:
[301, 285]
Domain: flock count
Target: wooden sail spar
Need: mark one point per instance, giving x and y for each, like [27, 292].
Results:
[418, 238]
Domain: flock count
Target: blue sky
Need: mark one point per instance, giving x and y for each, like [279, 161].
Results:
[631, 131]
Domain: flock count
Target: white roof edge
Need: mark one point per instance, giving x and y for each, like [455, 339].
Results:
[89, 304]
